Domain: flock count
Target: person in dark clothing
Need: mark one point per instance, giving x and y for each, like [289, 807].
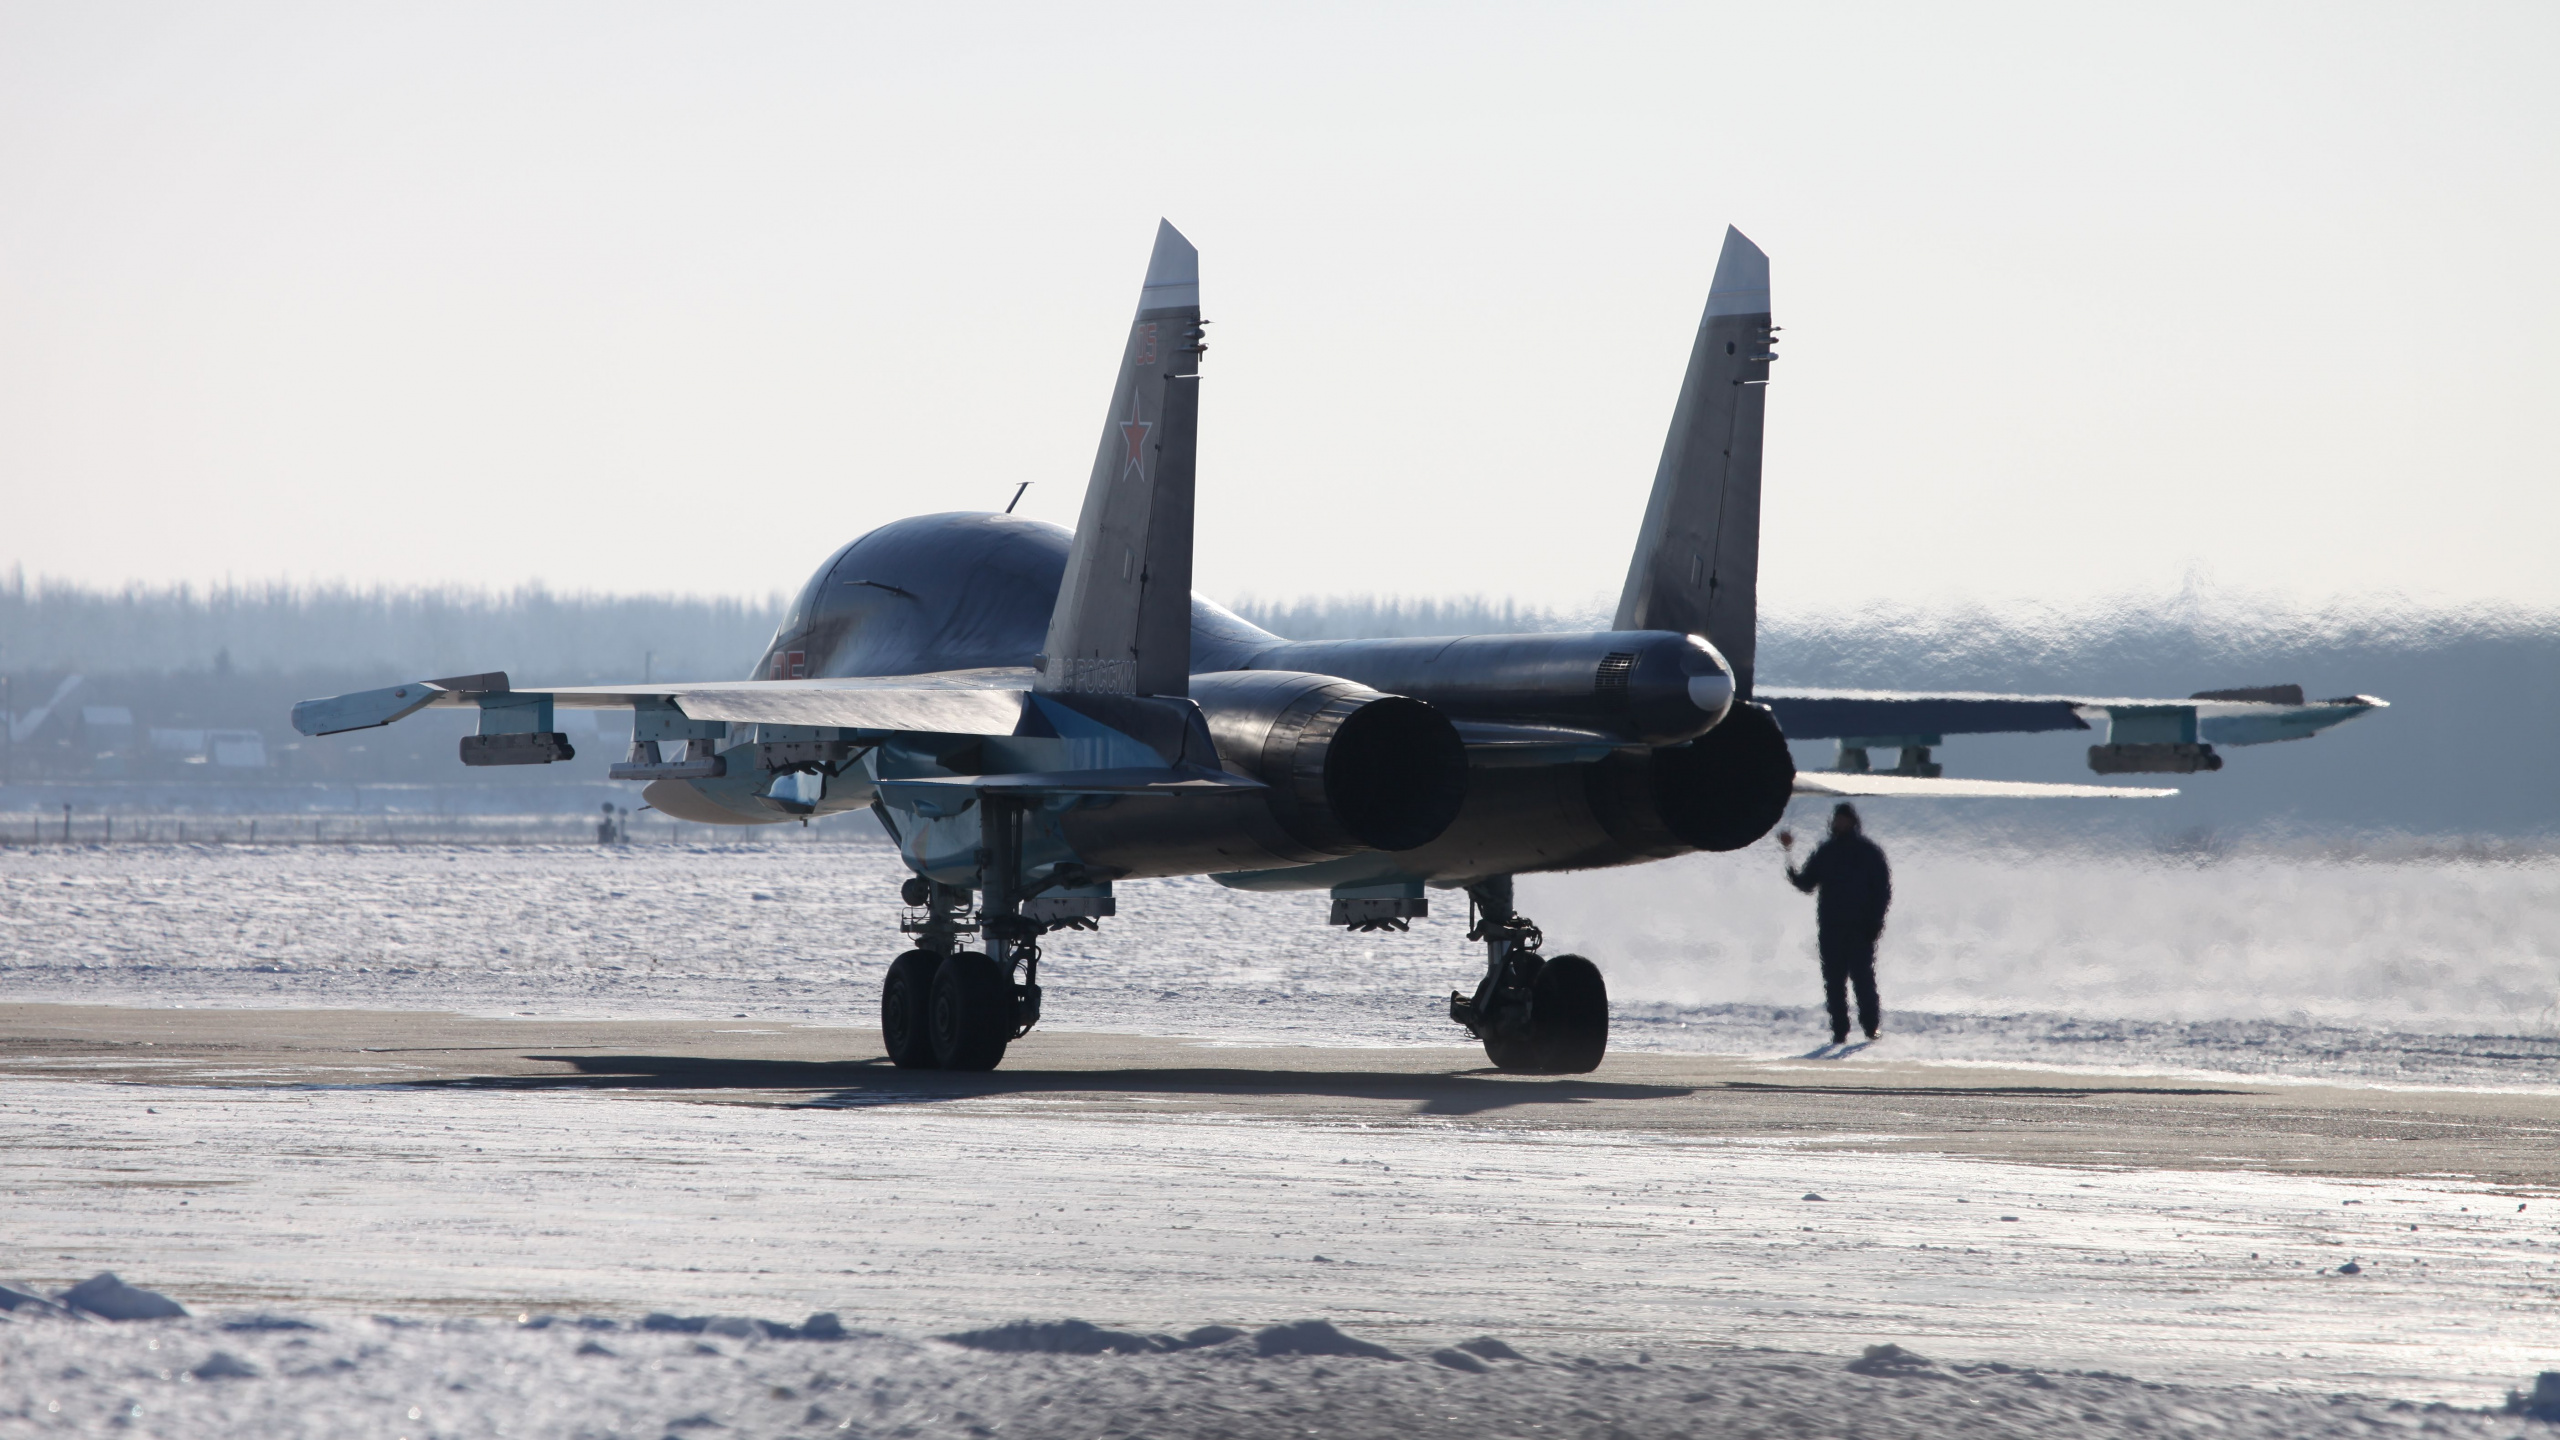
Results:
[1857, 888]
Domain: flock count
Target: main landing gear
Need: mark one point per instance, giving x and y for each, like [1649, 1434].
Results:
[948, 1007]
[1537, 1015]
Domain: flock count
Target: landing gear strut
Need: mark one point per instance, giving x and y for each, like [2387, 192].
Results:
[949, 1008]
[1536, 1015]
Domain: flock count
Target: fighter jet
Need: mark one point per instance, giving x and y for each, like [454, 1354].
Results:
[1034, 715]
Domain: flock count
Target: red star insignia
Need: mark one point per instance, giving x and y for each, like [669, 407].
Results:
[1134, 430]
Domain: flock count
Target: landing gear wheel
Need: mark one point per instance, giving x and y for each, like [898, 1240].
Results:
[1514, 1054]
[906, 1010]
[1568, 1021]
[972, 1013]
[1569, 1016]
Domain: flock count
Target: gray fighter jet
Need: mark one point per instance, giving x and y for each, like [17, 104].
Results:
[1034, 715]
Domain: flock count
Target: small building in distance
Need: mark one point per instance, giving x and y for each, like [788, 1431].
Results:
[224, 749]
[237, 749]
[107, 738]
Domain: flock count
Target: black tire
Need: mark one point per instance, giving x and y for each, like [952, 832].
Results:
[1517, 1054]
[1513, 1050]
[1569, 1016]
[906, 1010]
[973, 1012]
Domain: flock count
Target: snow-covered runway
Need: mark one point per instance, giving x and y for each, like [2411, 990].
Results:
[2187, 1224]
[495, 1167]
[2432, 970]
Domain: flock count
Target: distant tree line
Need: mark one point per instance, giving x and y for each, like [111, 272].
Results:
[1354, 617]
[2469, 744]
[530, 632]
[165, 667]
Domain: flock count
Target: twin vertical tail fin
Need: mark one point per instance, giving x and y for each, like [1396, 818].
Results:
[1697, 560]
[1123, 621]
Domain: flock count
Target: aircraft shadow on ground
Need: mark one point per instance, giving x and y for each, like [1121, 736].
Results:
[848, 1083]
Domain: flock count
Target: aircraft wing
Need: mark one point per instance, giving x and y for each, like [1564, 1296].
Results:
[2222, 717]
[2142, 735]
[1104, 713]
[958, 702]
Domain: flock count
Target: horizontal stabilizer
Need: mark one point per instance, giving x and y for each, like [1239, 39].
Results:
[1914, 787]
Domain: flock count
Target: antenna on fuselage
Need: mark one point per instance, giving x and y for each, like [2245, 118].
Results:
[1017, 496]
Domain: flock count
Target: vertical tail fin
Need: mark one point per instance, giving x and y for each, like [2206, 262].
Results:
[1123, 622]
[1697, 560]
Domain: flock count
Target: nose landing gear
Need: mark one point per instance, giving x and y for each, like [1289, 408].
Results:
[1536, 1015]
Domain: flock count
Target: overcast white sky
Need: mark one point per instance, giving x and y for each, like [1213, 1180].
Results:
[2078, 299]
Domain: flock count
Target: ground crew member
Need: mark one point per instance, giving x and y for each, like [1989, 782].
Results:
[1857, 888]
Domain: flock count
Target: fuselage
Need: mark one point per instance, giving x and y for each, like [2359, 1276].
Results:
[973, 590]
[970, 590]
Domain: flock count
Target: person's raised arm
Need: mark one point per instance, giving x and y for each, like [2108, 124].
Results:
[1807, 878]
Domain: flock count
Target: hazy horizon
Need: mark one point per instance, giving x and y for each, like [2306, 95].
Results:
[2458, 752]
[50, 622]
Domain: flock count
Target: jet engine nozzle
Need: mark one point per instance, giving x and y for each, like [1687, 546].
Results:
[1350, 769]
[1720, 791]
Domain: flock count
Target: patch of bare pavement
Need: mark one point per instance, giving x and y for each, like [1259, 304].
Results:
[1869, 1103]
